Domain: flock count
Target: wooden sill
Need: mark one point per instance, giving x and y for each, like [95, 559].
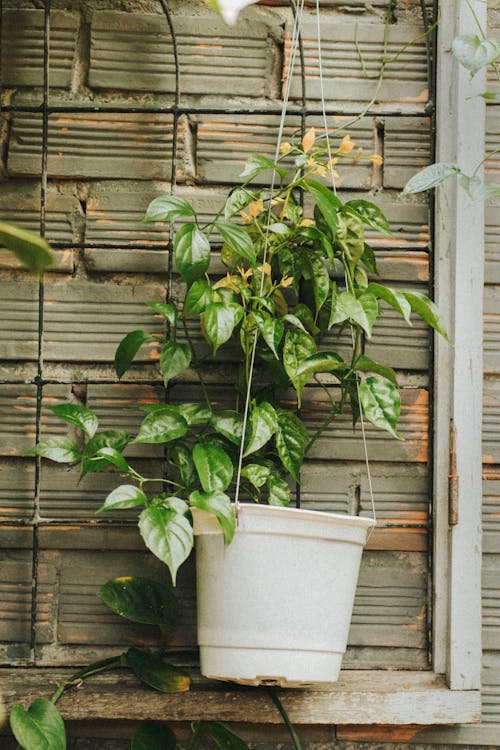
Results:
[359, 697]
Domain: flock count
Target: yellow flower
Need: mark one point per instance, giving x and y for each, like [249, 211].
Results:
[376, 159]
[346, 146]
[308, 140]
[245, 274]
[286, 281]
[306, 223]
[255, 208]
[285, 148]
[315, 167]
[266, 269]
[245, 218]
[227, 281]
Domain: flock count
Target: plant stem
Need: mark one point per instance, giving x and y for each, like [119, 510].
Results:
[98, 666]
[284, 716]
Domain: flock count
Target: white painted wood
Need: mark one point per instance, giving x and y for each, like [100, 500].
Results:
[359, 697]
[459, 292]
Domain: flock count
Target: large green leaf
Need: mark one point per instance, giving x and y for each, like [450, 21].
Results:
[174, 359]
[370, 213]
[162, 426]
[168, 535]
[224, 738]
[238, 240]
[198, 296]
[320, 362]
[271, 329]
[156, 673]
[298, 346]
[115, 439]
[320, 280]
[191, 252]
[257, 474]
[236, 201]
[83, 418]
[40, 727]
[195, 413]
[291, 441]
[263, 425]
[140, 600]
[351, 237]
[326, 201]
[219, 504]
[426, 309]
[430, 177]
[474, 52]
[28, 247]
[214, 466]
[228, 423]
[124, 496]
[168, 208]
[181, 457]
[153, 735]
[128, 348]
[381, 403]
[393, 297]
[114, 457]
[220, 320]
[58, 449]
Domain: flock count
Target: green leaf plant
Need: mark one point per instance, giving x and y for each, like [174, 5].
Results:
[295, 282]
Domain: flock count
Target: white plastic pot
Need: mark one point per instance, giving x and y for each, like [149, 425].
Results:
[274, 607]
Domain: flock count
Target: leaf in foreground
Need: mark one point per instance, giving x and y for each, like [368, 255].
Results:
[156, 673]
[28, 247]
[168, 535]
[381, 403]
[39, 728]
[140, 600]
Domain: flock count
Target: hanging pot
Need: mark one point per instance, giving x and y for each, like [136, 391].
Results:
[274, 607]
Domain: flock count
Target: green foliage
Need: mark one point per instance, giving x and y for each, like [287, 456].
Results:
[140, 600]
[33, 252]
[278, 311]
[38, 728]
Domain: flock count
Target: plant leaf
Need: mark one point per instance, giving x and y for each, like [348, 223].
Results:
[256, 474]
[220, 505]
[168, 208]
[320, 280]
[229, 424]
[214, 466]
[140, 600]
[58, 449]
[271, 330]
[430, 177]
[124, 496]
[156, 673]
[114, 457]
[174, 359]
[258, 163]
[166, 310]
[84, 419]
[381, 403]
[238, 240]
[224, 738]
[370, 214]
[195, 413]
[426, 309]
[40, 727]
[168, 535]
[198, 296]
[475, 53]
[115, 439]
[162, 426]
[321, 362]
[128, 348]
[298, 346]
[393, 297]
[291, 440]
[181, 457]
[237, 200]
[362, 311]
[365, 364]
[220, 320]
[477, 189]
[153, 735]
[33, 251]
[191, 252]
[326, 201]
[263, 425]
[278, 491]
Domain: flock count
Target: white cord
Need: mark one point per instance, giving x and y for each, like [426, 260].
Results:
[294, 45]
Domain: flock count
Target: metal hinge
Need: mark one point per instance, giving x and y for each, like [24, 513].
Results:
[453, 480]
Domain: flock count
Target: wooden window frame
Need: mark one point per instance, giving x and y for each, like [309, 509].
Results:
[449, 693]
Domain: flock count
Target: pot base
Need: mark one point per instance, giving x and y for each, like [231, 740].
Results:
[284, 668]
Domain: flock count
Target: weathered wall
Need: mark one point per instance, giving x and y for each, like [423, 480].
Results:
[103, 168]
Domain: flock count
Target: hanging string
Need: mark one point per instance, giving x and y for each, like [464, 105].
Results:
[294, 46]
[334, 188]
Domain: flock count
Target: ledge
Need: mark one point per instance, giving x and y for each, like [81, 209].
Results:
[359, 697]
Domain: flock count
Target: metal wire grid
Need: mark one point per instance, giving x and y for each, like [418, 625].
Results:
[176, 110]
